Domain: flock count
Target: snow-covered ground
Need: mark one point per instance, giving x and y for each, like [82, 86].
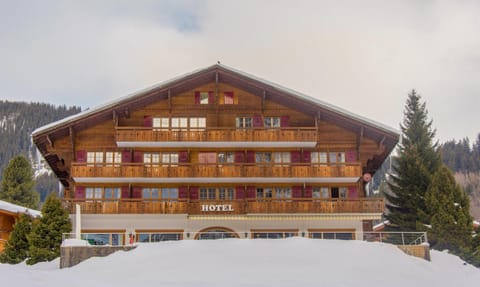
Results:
[241, 262]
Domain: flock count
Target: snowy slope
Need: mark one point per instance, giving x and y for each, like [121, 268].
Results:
[234, 262]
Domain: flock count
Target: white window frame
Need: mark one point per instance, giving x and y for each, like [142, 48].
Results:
[244, 122]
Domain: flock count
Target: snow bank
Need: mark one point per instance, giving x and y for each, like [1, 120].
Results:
[242, 262]
[10, 207]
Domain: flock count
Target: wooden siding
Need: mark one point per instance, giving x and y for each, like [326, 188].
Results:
[216, 170]
[273, 206]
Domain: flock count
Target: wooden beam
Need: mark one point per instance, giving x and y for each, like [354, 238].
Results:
[115, 118]
[216, 88]
[49, 140]
[72, 141]
[380, 144]
[359, 142]
[169, 101]
[264, 99]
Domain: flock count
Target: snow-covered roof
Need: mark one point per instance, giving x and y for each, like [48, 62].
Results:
[276, 86]
[14, 208]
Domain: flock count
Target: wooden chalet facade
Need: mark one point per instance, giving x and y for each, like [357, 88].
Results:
[217, 150]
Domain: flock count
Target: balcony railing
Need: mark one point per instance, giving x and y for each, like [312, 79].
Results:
[147, 134]
[271, 206]
[139, 170]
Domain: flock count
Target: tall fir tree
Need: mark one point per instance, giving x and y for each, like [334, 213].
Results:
[16, 249]
[17, 183]
[416, 162]
[46, 236]
[449, 207]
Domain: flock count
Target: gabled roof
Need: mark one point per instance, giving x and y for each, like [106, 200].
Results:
[17, 209]
[222, 74]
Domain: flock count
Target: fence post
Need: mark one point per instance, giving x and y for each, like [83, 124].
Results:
[403, 239]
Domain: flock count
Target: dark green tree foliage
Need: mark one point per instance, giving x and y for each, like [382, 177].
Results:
[46, 236]
[46, 184]
[17, 122]
[413, 168]
[16, 249]
[451, 223]
[461, 156]
[17, 183]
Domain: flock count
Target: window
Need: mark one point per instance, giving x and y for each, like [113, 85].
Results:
[271, 122]
[170, 193]
[281, 158]
[179, 123]
[343, 192]
[198, 123]
[160, 123]
[217, 193]
[263, 157]
[320, 192]
[283, 192]
[226, 193]
[150, 158]
[244, 122]
[204, 98]
[264, 193]
[169, 158]
[94, 158]
[337, 157]
[93, 193]
[112, 193]
[339, 192]
[228, 98]
[273, 234]
[226, 157]
[150, 193]
[207, 193]
[319, 157]
[113, 158]
[157, 237]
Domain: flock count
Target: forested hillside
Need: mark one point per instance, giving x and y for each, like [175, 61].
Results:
[17, 121]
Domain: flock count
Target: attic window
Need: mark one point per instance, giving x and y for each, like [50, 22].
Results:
[204, 98]
[228, 98]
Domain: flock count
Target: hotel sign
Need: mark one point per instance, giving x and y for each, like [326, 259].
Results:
[217, 207]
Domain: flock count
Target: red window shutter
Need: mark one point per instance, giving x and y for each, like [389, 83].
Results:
[351, 156]
[240, 192]
[183, 156]
[308, 192]
[239, 156]
[211, 98]
[296, 192]
[137, 192]
[251, 192]
[147, 121]
[81, 156]
[197, 98]
[79, 192]
[250, 156]
[295, 156]
[194, 192]
[257, 121]
[284, 121]
[307, 156]
[352, 192]
[138, 156]
[126, 156]
[125, 192]
[183, 192]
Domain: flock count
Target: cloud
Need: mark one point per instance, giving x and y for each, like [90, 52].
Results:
[362, 56]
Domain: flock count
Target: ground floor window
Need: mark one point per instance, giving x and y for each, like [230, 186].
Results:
[216, 233]
[217, 193]
[112, 239]
[158, 236]
[273, 234]
[332, 234]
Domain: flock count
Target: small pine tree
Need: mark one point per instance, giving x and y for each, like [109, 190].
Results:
[413, 168]
[16, 249]
[17, 183]
[449, 208]
[46, 236]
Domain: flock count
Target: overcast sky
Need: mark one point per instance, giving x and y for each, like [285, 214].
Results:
[363, 56]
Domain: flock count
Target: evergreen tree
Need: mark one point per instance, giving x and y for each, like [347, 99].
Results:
[449, 207]
[17, 183]
[16, 249]
[413, 168]
[46, 236]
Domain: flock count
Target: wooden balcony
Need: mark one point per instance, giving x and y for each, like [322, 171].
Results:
[236, 207]
[143, 134]
[140, 170]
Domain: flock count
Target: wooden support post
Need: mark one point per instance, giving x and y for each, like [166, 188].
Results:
[72, 141]
[264, 98]
[380, 144]
[359, 143]
[50, 143]
[169, 101]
